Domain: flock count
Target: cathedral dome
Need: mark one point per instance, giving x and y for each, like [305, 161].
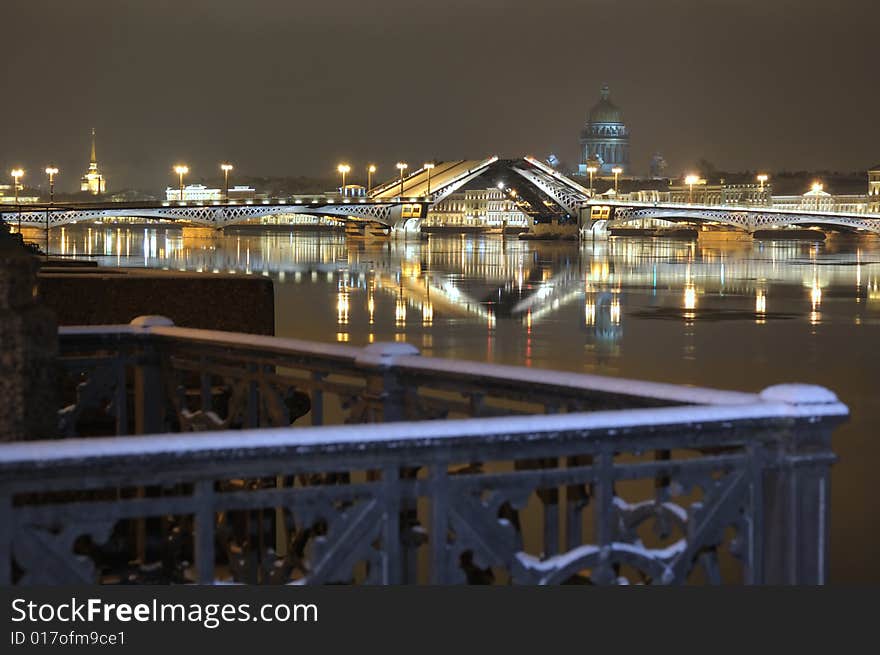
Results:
[605, 111]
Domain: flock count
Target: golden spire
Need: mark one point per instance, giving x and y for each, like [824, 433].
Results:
[94, 159]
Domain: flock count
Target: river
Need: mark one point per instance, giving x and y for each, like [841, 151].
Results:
[737, 314]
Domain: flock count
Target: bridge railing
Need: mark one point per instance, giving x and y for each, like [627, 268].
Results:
[535, 476]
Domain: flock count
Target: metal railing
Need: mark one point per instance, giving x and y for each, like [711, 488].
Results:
[534, 476]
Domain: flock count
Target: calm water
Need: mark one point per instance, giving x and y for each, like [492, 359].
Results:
[737, 314]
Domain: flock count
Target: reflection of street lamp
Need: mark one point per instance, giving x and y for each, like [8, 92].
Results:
[401, 166]
[429, 167]
[343, 168]
[181, 170]
[691, 180]
[17, 174]
[617, 170]
[591, 170]
[51, 171]
[370, 170]
[226, 167]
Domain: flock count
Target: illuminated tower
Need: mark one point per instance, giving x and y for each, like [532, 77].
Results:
[93, 181]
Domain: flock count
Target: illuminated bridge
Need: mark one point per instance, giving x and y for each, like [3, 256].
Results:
[402, 203]
[747, 218]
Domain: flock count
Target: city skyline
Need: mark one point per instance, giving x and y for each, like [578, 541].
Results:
[756, 94]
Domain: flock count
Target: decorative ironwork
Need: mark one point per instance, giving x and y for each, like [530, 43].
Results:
[668, 485]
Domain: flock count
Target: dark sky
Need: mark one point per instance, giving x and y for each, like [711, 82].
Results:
[287, 87]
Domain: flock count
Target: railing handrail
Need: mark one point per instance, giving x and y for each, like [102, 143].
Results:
[418, 364]
[425, 434]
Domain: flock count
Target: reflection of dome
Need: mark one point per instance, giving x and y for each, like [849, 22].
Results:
[605, 111]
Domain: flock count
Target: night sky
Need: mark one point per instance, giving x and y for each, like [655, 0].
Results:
[291, 88]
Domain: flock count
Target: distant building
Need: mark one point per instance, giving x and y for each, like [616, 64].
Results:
[198, 192]
[242, 192]
[201, 193]
[93, 181]
[7, 196]
[489, 207]
[605, 137]
[874, 189]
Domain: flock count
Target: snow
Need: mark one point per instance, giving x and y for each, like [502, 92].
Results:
[415, 431]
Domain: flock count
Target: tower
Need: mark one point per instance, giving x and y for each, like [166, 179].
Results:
[93, 181]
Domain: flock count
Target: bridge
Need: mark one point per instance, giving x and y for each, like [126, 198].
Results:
[401, 204]
[748, 218]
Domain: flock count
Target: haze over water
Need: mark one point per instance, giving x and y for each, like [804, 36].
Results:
[728, 314]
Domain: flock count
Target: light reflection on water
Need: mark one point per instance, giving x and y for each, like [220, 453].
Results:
[738, 314]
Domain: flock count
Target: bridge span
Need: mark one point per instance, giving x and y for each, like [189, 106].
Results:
[401, 204]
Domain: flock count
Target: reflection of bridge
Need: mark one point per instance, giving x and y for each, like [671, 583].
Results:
[402, 204]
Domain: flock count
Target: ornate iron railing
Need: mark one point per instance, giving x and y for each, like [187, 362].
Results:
[559, 478]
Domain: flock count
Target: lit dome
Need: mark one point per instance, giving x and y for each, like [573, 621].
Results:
[605, 111]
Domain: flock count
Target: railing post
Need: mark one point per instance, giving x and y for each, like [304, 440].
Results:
[149, 401]
[384, 389]
[28, 348]
[796, 487]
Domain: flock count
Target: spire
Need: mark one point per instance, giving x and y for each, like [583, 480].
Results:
[94, 159]
[605, 92]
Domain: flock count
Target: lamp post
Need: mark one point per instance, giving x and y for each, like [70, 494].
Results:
[691, 180]
[762, 179]
[817, 189]
[181, 170]
[51, 171]
[401, 166]
[429, 167]
[370, 170]
[343, 168]
[17, 174]
[592, 171]
[226, 167]
[617, 170]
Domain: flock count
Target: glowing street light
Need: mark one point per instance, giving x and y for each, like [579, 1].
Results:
[429, 167]
[226, 167]
[401, 166]
[181, 170]
[617, 170]
[370, 170]
[343, 168]
[817, 191]
[691, 180]
[51, 171]
[591, 170]
[762, 178]
[17, 174]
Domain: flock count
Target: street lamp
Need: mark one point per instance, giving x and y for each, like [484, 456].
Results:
[762, 178]
[17, 174]
[617, 170]
[817, 190]
[226, 167]
[51, 171]
[181, 170]
[691, 180]
[591, 170]
[401, 166]
[429, 167]
[343, 168]
[370, 170]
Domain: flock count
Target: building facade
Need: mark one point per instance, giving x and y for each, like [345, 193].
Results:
[490, 207]
[874, 189]
[605, 137]
[93, 181]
